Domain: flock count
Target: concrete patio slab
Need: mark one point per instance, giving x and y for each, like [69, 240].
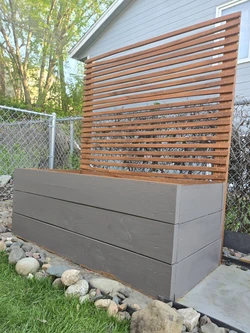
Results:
[225, 295]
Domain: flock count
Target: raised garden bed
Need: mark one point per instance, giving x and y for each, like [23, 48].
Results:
[160, 238]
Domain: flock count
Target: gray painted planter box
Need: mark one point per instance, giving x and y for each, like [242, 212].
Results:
[160, 238]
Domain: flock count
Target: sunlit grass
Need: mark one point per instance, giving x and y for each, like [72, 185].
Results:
[32, 306]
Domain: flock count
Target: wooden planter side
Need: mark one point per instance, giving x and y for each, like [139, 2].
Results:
[159, 238]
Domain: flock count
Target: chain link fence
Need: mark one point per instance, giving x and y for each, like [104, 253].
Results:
[238, 196]
[30, 139]
[25, 139]
[34, 140]
[67, 143]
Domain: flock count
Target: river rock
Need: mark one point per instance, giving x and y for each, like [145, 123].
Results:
[83, 299]
[27, 247]
[190, 318]
[36, 255]
[121, 296]
[102, 303]
[122, 307]
[105, 285]
[78, 289]
[16, 255]
[204, 320]
[26, 266]
[112, 309]
[45, 267]
[156, 317]
[57, 270]
[124, 291]
[40, 275]
[16, 245]
[92, 295]
[135, 307]
[2, 246]
[70, 277]
[3, 229]
[120, 316]
[98, 295]
[212, 328]
[117, 300]
[57, 283]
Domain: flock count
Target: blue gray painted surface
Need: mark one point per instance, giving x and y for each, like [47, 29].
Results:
[143, 19]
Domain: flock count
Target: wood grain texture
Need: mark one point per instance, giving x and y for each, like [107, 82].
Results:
[144, 199]
[148, 275]
[218, 20]
[142, 236]
[179, 178]
[172, 97]
[182, 43]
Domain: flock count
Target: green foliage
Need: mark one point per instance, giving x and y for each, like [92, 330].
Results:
[238, 197]
[238, 213]
[75, 160]
[34, 41]
[8, 159]
[34, 306]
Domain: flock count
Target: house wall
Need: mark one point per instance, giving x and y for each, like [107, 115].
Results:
[144, 19]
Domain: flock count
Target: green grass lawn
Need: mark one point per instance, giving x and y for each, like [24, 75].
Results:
[32, 306]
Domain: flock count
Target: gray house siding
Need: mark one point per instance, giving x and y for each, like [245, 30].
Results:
[144, 19]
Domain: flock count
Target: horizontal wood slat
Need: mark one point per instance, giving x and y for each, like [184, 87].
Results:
[166, 139]
[162, 95]
[162, 166]
[137, 176]
[154, 159]
[224, 129]
[204, 104]
[159, 153]
[202, 37]
[225, 122]
[226, 18]
[220, 114]
[163, 113]
[196, 56]
[174, 83]
[182, 49]
[164, 74]
[118, 173]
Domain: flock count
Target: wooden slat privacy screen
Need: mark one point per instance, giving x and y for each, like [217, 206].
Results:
[165, 112]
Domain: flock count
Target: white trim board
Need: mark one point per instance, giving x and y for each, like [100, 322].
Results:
[227, 5]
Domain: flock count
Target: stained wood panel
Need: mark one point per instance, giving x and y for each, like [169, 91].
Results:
[165, 111]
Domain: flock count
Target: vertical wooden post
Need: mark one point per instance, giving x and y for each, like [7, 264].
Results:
[87, 85]
[229, 146]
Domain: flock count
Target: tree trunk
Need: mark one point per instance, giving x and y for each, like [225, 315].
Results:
[2, 79]
[64, 99]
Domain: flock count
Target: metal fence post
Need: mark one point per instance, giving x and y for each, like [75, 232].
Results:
[71, 126]
[52, 134]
